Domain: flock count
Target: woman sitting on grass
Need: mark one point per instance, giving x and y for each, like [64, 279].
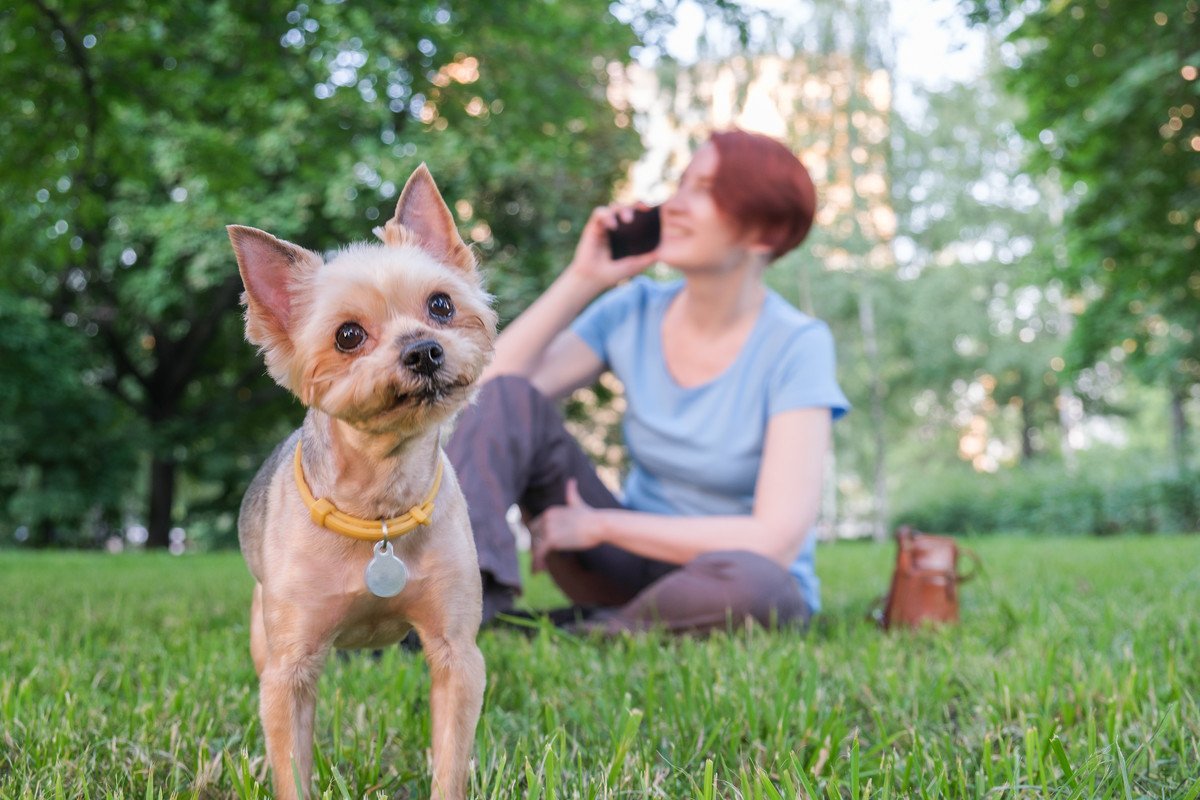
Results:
[731, 392]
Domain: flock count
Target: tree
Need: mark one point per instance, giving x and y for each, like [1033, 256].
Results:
[987, 314]
[1111, 90]
[134, 131]
[49, 403]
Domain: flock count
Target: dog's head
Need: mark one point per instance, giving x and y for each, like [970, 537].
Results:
[383, 336]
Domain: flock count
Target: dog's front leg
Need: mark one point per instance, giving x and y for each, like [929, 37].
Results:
[288, 688]
[457, 676]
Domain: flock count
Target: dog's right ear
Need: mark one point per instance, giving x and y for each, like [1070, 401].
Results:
[422, 213]
[273, 272]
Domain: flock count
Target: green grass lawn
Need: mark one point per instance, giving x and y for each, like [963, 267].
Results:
[1075, 673]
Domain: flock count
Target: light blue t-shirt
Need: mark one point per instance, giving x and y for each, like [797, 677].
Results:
[697, 451]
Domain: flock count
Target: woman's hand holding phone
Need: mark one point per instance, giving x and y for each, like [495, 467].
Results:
[593, 261]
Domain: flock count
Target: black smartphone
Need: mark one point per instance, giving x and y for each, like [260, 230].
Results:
[639, 235]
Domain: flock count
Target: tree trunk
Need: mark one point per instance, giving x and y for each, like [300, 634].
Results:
[866, 317]
[804, 286]
[1066, 421]
[829, 494]
[45, 534]
[162, 498]
[1179, 431]
[1026, 431]
[1067, 401]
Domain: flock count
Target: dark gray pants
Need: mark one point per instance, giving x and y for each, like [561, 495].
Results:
[511, 447]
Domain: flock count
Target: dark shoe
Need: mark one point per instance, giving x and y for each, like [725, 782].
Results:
[497, 598]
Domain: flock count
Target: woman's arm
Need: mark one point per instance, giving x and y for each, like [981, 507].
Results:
[536, 344]
[787, 499]
[522, 344]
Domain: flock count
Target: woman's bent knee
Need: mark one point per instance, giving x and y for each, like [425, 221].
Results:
[753, 586]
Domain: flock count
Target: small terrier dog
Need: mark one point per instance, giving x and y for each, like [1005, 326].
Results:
[383, 345]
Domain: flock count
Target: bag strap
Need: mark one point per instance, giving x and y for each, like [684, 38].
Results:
[975, 559]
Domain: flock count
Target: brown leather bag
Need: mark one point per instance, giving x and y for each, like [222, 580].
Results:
[925, 582]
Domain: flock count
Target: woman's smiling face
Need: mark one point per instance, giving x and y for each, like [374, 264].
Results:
[696, 234]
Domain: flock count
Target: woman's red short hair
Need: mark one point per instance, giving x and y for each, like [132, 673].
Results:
[762, 186]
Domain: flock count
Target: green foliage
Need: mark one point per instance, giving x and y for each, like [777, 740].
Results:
[133, 132]
[1111, 91]
[1046, 498]
[1073, 674]
[67, 456]
[982, 235]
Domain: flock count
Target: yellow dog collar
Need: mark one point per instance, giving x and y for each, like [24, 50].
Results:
[325, 514]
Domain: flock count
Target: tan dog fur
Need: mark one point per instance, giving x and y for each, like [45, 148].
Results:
[371, 445]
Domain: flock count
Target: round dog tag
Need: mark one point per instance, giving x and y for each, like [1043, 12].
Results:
[385, 574]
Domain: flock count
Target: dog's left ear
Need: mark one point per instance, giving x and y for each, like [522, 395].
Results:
[423, 215]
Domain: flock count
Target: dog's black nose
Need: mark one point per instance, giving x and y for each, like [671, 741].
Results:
[424, 357]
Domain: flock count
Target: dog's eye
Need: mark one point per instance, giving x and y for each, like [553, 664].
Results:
[350, 337]
[441, 308]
